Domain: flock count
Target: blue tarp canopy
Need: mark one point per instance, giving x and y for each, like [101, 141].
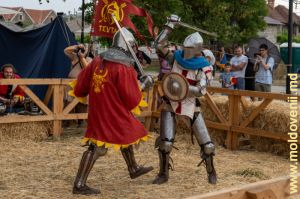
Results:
[38, 53]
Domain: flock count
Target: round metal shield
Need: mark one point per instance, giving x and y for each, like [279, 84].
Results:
[175, 86]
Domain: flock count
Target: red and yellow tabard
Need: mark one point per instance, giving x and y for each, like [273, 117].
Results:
[113, 92]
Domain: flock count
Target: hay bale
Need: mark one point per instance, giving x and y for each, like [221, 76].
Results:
[35, 131]
[217, 136]
[280, 72]
[275, 118]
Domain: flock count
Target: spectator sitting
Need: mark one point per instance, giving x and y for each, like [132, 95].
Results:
[227, 77]
[11, 95]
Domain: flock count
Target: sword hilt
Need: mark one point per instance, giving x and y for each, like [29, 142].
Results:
[140, 68]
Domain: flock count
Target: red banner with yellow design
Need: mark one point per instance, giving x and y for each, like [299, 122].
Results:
[103, 25]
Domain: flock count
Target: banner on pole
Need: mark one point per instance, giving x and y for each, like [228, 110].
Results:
[104, 26]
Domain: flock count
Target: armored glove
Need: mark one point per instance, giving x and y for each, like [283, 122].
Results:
[172, 21]
[146, 82]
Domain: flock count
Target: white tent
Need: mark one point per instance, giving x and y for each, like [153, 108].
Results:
[5, 11]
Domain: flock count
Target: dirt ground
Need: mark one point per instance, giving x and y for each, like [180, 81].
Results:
[46, 169]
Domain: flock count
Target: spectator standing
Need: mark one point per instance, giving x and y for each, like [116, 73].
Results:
[238, 64]
[250, 76]
[227, 77]
[264, 65]
[73, 53]
[221, 58]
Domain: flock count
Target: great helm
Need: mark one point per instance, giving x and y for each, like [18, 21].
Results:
[118, 40]
[192, 45]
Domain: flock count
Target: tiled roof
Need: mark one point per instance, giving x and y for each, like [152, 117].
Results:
[284, 12]
[281, 13]
[274, 14]
[8, 17]
[272, 21]
[38, 16]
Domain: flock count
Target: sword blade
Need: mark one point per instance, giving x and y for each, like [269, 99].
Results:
[197, 29]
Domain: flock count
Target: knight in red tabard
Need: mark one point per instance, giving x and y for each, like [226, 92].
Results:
[113, 89]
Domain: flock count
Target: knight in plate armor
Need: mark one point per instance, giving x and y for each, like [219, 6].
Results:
[197, 71]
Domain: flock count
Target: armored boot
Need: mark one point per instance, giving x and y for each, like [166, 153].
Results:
[134, 169]
[207, 147]
[164, 144]
[163, 175]
[210, 169]
[88, 160]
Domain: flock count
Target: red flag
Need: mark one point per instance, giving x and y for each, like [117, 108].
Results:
[103, 25]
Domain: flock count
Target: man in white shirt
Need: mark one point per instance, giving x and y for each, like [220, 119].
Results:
[238, 64]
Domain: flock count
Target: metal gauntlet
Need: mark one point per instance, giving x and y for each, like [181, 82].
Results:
[162, 39]
[146, 82]
[195, 91]
[200, 88]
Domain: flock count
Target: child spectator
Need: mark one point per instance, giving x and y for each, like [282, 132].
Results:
[227, 77]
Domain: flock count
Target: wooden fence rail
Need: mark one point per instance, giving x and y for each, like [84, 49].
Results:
[277, 188]
[59, 112]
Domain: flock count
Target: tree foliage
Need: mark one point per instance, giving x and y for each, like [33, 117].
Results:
[282, 38]
[235, 21]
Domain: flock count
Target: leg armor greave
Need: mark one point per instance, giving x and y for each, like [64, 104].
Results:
[167, 131]
[134, 169]
[88, 160]
[200, 131]
[207, 147]
[164, 143]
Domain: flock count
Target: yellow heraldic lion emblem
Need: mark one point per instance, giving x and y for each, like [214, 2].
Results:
[99, 80]
[112, 8]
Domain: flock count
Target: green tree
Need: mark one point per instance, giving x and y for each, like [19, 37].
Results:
[282, 38]
[88, 11]
[235, 21]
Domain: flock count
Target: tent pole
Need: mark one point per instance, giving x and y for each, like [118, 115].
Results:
[82, 23]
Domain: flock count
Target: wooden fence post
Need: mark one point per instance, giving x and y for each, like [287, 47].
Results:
[233, 118]
[58, 95]
[235, 121]
[148, 119]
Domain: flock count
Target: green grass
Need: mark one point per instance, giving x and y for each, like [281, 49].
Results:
[251, 172]
[154, 68]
